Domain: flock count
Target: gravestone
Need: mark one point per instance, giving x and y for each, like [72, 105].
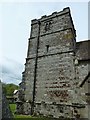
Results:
[5, 112]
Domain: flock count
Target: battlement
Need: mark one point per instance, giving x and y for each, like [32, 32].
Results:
[54, 14]
[56, 22]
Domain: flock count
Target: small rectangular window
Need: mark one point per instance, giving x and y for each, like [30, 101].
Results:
[47, 48]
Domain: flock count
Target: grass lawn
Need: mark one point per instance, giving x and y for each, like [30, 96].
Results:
[20, 117]
[13, 107]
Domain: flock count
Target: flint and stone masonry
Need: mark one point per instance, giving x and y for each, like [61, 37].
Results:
[55, 70]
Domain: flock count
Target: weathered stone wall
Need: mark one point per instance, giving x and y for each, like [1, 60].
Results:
[55, 72]
[55, 75]
[29, 73]
[56, 30]
[52, 69]
[82, 69]
[84, 93]
[58, 21]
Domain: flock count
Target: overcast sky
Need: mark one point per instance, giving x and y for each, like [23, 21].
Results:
[15, 22]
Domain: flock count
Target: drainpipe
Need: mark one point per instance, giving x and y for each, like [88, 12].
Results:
[35, 70]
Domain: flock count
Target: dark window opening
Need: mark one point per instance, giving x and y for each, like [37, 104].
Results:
[61, 109]
[47, 26]
[47, 47]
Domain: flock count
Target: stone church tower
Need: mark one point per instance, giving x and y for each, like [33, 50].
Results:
[49, 80]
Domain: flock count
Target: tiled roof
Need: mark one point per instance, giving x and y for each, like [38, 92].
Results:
[83, 50]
